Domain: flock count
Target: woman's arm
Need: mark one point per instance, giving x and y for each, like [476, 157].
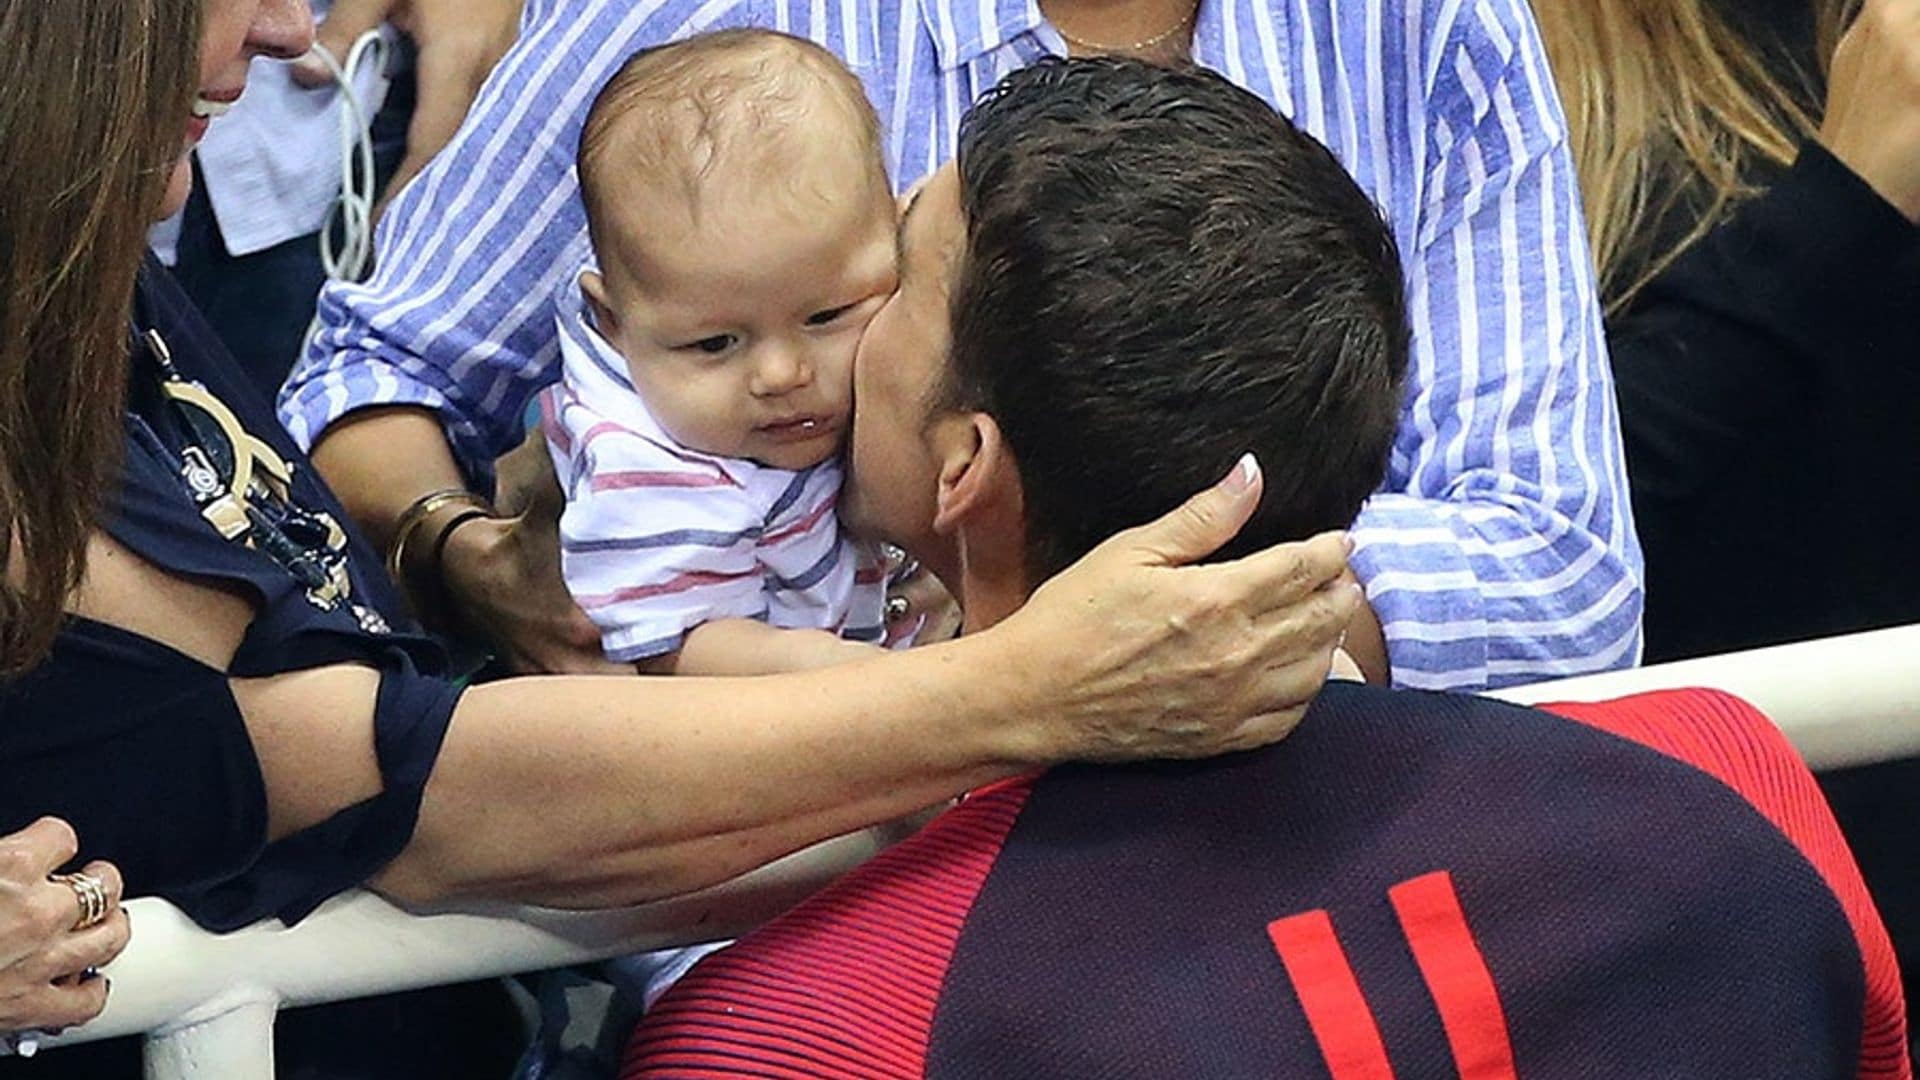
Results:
[590, 791]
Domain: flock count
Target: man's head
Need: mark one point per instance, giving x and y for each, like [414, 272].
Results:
[1139, 274]
[743, 227]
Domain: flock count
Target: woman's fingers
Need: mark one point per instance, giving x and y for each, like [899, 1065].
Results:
[1283, 575]
[1196, 528]
[71, 954]
[41, 954]
[109, 877]
[33, 909]
[29, 855]
[1275, 702]
[1282, 664]
[1313, 620]
[1170, 660]
[47, 1007]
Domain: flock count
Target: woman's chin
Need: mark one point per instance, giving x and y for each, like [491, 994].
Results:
[179, 186]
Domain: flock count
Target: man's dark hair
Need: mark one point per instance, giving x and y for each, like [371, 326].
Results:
[1162, 274]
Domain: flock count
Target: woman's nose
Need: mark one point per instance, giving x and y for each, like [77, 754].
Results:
[282, 29]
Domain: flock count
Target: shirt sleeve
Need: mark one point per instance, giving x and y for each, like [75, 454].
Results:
[459, 314]
[146, 753]
[295, 874]
[1501, 550]
[653, 542]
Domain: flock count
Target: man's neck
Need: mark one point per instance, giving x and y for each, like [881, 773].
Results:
[985, 607]
[989, 590]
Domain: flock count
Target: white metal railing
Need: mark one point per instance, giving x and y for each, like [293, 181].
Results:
[1841, 701]
[206, 1002]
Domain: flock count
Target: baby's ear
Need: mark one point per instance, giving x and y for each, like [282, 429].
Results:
[594, 288]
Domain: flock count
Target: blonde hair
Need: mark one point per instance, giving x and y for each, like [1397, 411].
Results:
[1665, 101]
[94, 101]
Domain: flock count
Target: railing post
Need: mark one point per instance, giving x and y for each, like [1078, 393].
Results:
[235, 1043]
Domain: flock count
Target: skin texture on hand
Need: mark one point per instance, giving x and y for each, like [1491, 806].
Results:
[1177, 660]
[503, 575]
[41, 954]
[1873, 101]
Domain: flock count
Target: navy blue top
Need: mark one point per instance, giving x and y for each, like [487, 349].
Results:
[142, 748]
[1422, 886]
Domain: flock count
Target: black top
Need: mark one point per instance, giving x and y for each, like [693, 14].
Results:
[1770, 401]
[142, 748]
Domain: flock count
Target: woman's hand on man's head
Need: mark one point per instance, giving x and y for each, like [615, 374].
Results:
[1148, 656]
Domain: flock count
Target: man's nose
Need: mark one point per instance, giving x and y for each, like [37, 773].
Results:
[282, 29]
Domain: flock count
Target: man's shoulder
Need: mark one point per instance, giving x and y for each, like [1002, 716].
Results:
[1564, 852]
[1711, 730]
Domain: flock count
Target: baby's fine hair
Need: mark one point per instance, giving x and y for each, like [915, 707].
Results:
[675, 114]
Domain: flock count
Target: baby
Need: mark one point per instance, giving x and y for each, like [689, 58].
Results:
[743, 235]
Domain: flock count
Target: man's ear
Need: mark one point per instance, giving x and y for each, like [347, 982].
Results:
[594, 288]
[979, 479]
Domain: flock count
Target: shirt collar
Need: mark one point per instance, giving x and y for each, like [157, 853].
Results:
[965, 30]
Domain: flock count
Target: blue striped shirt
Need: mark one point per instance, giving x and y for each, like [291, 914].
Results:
[1500, 549]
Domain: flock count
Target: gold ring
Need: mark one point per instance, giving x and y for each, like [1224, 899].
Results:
[92, 894]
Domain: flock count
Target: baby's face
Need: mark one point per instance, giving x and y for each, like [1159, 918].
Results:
[740, 330]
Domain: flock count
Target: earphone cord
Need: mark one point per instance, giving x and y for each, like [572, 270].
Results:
[352, 212]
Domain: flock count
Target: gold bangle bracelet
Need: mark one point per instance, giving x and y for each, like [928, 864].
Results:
[415, 515]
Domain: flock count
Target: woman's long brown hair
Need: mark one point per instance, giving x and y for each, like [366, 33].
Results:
[94, 99]
[1664, 101]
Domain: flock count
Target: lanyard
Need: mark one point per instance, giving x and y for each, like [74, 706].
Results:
[243, 488]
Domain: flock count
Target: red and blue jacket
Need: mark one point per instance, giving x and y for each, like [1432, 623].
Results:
[1411, 886]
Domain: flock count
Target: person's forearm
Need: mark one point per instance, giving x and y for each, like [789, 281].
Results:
[693, 781]
[381, 461]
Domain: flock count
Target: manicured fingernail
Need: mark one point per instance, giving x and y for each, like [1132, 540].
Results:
[1245, 472]
[1347, 539]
